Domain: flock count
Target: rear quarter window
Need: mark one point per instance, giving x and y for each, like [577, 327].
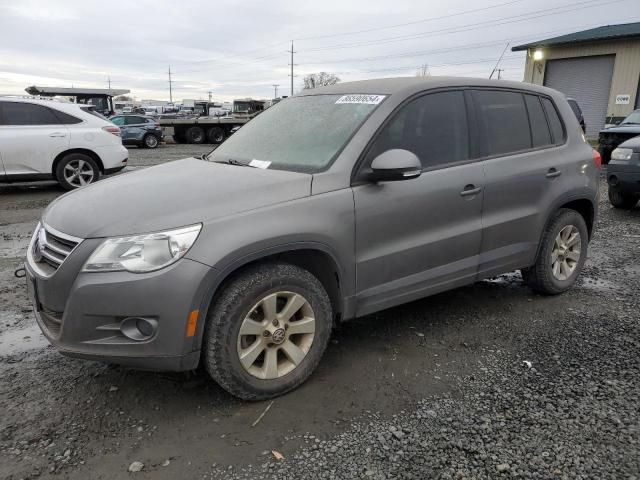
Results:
[557, 129]
[65, 118]
[540, 134]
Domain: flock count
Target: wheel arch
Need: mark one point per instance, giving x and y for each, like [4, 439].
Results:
[585, 206]
[318, 259]
[84, 151]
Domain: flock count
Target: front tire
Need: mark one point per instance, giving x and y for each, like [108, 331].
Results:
[77, 170]
[267, 331]
[620, 199]
[562, 254]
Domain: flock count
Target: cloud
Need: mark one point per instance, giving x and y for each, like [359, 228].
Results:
[239, 49]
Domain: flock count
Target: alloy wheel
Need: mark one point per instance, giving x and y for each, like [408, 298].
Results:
[566, 252]
[78, 173]
[276, 335]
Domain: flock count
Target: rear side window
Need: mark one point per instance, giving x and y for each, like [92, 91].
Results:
[555, 123]
[118, 121]
[503, 119]
[134, 120]
[434, 127]
[540, 134]
[18, 113]
[65, 118]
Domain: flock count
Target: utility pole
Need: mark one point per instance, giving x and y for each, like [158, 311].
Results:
[292, 64]
[275, 90]
[209, 96]
[170, 87]
[500, 70]
[109, 82]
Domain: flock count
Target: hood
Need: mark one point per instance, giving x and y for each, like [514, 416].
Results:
[171, 195]
[629, 129]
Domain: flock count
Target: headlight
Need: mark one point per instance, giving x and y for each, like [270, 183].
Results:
[621, 154]
[142, 253]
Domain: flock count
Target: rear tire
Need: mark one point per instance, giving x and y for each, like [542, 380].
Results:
[77, 170]
[562, 254]
[242, 306]
[195, 135]
[620, 199]
[150, 141]
[215, 135]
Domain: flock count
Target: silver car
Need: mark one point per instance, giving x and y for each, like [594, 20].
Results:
[332, 204]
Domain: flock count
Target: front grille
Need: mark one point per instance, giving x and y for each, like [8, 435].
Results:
[49, 249]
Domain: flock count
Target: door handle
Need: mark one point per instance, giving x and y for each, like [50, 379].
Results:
[553, 173]
[470, 190]
[57, 134]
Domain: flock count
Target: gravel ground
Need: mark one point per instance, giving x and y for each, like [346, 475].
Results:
[486, 381]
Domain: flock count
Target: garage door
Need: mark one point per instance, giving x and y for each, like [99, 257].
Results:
[588, 80]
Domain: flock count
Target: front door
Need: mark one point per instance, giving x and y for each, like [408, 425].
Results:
[417, 237]
[31, 136]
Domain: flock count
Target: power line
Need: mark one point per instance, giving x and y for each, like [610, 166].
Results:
[424, 20]
[474, 26]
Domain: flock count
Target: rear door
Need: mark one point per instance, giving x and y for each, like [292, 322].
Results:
[31, 136]
[420, 236]
[520, 145]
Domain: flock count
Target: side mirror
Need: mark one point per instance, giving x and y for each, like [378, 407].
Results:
[394, 165]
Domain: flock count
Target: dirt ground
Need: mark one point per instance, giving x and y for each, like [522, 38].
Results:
[66, 418]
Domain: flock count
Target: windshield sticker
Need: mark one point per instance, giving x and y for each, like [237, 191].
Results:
[259, 164]
[361, 98]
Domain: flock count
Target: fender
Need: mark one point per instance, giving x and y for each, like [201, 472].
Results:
[232, 262]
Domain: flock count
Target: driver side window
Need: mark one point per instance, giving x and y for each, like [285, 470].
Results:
[434, 127]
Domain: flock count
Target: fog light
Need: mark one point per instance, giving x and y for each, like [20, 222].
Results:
[139, 328]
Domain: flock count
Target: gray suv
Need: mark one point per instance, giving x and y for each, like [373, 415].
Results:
[332, 204]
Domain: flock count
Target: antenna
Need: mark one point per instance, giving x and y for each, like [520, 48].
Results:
[499, 59]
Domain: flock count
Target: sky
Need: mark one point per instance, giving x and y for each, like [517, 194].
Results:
[237, 49]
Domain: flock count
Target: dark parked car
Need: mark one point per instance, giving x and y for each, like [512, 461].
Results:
[623, 174]
[338, 203]
[578, 113]
[139, 130]
[610, 138]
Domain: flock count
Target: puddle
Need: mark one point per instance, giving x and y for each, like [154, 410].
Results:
[511, 279]
[19, 340]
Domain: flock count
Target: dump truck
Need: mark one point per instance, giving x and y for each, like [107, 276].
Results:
[201, 127]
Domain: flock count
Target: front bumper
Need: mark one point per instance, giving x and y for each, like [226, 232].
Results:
[625, 174]
[81, 313]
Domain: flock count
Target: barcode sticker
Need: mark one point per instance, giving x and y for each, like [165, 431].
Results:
[361, 99]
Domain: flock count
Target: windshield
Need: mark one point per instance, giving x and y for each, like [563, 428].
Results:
[302, 134]
[634, 117]
[241, 107]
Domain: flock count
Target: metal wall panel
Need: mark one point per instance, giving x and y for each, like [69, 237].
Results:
[588, 80]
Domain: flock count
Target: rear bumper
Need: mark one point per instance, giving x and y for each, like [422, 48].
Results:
[112, 156]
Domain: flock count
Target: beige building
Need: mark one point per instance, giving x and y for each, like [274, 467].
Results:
[599, 67]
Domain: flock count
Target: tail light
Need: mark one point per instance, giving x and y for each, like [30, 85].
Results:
[112, 129]
[597, 158]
